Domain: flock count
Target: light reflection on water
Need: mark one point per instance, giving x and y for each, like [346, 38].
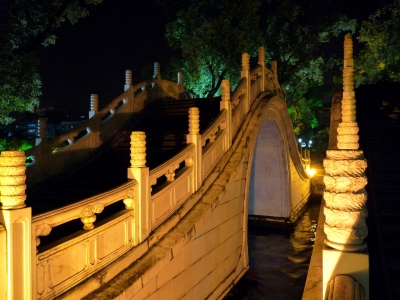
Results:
[279, 259]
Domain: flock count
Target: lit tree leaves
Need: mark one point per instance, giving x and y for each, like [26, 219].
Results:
[379, 60]
[297, 34]
[212, 35]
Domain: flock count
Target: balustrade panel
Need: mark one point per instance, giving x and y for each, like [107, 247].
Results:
[66, 264]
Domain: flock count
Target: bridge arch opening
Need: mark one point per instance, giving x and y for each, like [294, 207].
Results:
[269, 184]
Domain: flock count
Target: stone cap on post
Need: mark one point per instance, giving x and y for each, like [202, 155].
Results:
[94, 105]
[128, 80]
[138, 149]
[12, 179]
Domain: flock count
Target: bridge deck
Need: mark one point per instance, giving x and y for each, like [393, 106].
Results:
[380, 139]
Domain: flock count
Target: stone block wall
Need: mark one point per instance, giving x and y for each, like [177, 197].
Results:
[207, 251]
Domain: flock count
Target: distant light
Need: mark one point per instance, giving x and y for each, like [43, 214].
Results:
[300, 140]
[303, 145]
[310, 142]
[311, 172]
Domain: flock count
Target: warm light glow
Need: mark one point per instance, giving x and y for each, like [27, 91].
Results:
[311, 172]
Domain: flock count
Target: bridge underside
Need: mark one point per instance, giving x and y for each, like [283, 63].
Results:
[269, 182]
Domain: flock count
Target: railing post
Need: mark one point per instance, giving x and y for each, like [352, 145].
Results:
[41, 130]
[261, 62]
[140, 173]
[94, 105]
[274, 67]
[17, 222]
[345, 195]
[246, 74]
[194, 137]
[226, 103]
[156, 74]
[128, 80]
[180, 82]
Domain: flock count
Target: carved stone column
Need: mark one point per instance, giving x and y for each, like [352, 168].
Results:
[41, 130]
[345, 180]
[17, 221]
[128, 79]
[139, 172]
[94, 105]
[12, 179]
[261, 62]
[194, 137]
[226, 104]
[246, 74]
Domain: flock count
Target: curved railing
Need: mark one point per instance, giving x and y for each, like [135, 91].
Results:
[150, 197]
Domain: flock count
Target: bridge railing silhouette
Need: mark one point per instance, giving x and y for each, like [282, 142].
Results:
[51, 156]
[63, 264]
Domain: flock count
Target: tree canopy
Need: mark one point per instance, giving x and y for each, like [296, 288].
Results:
[26, 25]
[379, 59]
[211, 35]
[298, 34]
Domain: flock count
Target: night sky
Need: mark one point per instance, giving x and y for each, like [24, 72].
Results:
[92, 55]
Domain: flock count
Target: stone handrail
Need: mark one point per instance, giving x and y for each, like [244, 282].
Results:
[88, 249]
[211, 132]
[238, 108]
[42, 224]
[214, 142]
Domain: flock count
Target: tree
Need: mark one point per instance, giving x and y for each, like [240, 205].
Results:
[298, 34]
[26, 25]
[379, 60]
[211, 35]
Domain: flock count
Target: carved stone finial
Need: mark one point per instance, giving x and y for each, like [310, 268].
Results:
[348, 128]
[94, 102]
[12, 179]
[138, 149]
[194, 120]
[345, 196]
[180, 80]
[156, 70]
[274, 67]
[245, 62]
[42, 128]
[128, 77]
[226, 90]
[261, 56]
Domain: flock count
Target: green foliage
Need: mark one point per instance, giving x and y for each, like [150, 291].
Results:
[296, 35]
[26, 25]
[15, 144]
[379, 60]
[212, 35]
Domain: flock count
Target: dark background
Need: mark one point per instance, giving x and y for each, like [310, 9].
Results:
[91, 56]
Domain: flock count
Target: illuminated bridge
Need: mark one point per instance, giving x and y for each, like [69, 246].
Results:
[149, 199]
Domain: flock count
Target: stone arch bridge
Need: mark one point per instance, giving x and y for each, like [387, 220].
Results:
[172, 227]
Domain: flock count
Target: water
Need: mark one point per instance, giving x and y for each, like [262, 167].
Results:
[279, 259]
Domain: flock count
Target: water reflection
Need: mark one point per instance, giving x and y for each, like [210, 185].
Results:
[279, 259]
